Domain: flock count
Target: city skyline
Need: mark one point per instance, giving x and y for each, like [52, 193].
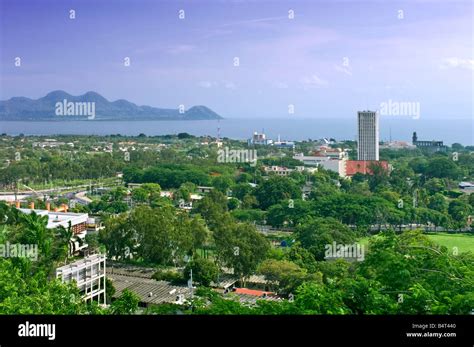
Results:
[298, 64]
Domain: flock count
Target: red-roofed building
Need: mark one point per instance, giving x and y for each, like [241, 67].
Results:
[363, 166]
[253, 292]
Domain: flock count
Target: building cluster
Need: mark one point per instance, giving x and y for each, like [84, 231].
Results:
[105, 147]
[432, 146]
[89, 270]
[284, 171]
[152, 292]
[337, 159]
[397, 145]
[342, 166]
[51, 143]
[261, 139]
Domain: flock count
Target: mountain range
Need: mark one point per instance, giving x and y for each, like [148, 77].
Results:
[59, 105]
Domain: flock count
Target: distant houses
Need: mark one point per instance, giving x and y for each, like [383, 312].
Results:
[261, 139]
[284, 171]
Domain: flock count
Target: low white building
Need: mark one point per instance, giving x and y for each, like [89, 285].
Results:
[333, 153]
[326, 162]
[78, 222]
[278, 170]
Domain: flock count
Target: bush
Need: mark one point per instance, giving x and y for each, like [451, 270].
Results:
[169, 275]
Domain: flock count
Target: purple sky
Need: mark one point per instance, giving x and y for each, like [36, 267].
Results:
[425, 57]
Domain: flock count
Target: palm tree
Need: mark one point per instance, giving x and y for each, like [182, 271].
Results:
[36, 231]
[65, 236]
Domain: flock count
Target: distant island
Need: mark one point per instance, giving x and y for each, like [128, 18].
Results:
[59, 105]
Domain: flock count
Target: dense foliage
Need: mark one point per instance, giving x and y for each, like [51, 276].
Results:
[247, 222]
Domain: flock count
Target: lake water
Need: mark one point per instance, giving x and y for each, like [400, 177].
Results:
[449, 131]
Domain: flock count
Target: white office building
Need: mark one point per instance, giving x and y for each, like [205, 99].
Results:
[368, 139]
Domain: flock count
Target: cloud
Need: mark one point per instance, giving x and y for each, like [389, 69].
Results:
[457, 63]
[313, 81]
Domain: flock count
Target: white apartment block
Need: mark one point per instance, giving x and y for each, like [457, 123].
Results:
[368, 138]
[89, 274]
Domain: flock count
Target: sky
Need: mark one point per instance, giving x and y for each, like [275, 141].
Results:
[301, 59]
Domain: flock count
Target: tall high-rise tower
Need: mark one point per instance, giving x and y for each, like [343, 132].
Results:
[368, 140]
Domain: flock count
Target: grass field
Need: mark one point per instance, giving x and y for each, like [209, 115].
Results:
[464, 242]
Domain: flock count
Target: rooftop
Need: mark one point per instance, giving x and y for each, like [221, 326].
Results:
[253, 292]
[150, 291]
[56, 219]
